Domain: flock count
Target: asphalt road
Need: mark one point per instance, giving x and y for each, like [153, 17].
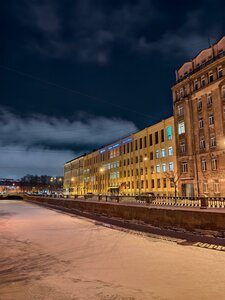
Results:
[47, 254]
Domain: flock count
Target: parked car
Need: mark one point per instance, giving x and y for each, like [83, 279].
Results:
[88, 195]
[147, 197]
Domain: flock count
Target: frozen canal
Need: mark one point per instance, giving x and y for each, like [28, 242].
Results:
[51, 255]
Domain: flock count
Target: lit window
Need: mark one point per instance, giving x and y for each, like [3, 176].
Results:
[211, 76]
[169, 133]
[171, 168]
[163, 152]
[157, 168]
[181, 127]
[214, 164]
[220, 71]
[184, 167]
[164, 167]
[202, 143]
[180, 110]
[157, 154]
[211, 119]
[199, 104]
[216, 187]
[196, 84]
[213, 141]
[203, 81]
[209, 99]
[170, 151]
[204, 166]
[201, 123]
[182, 148]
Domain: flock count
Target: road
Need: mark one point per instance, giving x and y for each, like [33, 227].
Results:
[47, 254]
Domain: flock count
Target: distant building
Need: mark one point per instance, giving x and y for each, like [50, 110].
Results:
[143, 162]
[199, 113]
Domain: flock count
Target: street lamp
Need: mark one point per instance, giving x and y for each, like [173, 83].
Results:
[145, 159]
[101, 170]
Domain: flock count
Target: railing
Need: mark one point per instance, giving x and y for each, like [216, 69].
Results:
[198, 202]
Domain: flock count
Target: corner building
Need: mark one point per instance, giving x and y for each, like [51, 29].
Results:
[143, 162]
[199, 114]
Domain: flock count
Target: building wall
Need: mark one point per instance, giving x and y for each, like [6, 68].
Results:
[199, 102]
[129, 166]
[73, 176]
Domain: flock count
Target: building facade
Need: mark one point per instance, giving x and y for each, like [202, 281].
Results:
[142, 162]
[199, 114]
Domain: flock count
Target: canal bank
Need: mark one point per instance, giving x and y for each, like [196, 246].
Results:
[191, 219]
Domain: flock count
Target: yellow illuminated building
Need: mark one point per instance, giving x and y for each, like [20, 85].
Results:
[143, 162]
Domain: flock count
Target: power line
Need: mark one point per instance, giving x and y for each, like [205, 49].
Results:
[94, 98]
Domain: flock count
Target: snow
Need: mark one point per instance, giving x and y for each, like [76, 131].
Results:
[47, 254]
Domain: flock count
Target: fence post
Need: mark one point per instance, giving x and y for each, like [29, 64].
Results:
[204, 203]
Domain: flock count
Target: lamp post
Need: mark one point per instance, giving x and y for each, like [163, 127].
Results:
[101, 170]
[71, 182]
[145, 159]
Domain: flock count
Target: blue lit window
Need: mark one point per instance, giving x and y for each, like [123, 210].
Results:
[157, 168]
[157, 154]
[164, 167]
[169, 133]
[170, 151]
[171, 168]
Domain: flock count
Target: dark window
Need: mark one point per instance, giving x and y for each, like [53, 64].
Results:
[156, 137]
[128, 148]
[211, 77]
[151, 155]
[145, 142]
[131, 147]
[164, 182]
[136, 144]
[153, 183]
[140, 143]
[162, 135]
[150, 140]
[146, 184]
[158, 183]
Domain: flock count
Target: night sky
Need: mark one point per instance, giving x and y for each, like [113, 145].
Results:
[79, 74]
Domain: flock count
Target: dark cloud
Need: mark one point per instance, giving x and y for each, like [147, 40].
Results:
[85, 130]
[90, 30]
[34, 143]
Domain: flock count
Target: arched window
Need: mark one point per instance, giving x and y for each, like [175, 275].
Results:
[203, 81]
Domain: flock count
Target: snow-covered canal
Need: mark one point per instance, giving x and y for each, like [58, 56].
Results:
[47, 254]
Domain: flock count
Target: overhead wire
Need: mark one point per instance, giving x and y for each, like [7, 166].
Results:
[90, 97]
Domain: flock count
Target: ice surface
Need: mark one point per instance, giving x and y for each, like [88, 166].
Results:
[47, 254]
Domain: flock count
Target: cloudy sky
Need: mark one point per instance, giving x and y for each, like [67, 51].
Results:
[78, 74]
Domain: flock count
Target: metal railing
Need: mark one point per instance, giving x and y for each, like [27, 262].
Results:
[198, 202]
